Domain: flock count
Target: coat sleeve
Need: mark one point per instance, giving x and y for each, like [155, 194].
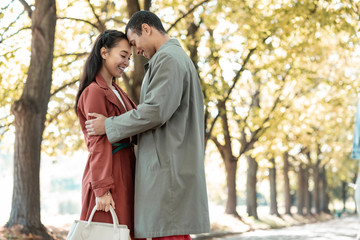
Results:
[162, 99]
[100, 149]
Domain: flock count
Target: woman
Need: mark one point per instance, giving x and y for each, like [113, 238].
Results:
[109, 173]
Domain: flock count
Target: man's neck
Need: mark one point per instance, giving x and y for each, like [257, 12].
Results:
[163, 38]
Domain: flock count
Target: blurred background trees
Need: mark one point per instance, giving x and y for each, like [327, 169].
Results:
[280, 81]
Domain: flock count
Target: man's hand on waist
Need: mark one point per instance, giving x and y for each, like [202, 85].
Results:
[96, 126]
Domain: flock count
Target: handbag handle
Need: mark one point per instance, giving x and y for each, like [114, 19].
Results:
[113, 214]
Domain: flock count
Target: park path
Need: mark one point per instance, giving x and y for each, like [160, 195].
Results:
[344, 228]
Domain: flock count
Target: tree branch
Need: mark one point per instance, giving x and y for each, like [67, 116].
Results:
[118, 21]
[101, 26]
[72, 54]
[52, 118]
[12, 23]
[237, 76]
[255, 135]
[235, 80]
[27, 7]
[6, 125]
[10, 36]
[6, 6]
[79, 20]
[217, 143]
[185, 14]
[64, 86]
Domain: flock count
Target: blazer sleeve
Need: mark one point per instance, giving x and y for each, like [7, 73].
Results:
[100, 149]
[162, 99]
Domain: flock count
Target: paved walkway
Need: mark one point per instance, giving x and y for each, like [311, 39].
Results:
[344, 228]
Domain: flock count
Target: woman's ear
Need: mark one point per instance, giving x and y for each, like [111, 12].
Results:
[103, 53]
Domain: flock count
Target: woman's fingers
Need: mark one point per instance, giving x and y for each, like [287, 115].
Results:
[112, 203]
[107, 207]
[98, 206]
[103, 203]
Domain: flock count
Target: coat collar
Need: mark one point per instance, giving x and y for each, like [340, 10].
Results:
[101, 81]
[110, 95]
[170, 42]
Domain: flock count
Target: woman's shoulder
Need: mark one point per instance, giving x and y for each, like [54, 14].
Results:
[92, 91]
[94, 88]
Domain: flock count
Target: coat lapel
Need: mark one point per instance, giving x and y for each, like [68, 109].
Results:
[129, 104]
[110, 95]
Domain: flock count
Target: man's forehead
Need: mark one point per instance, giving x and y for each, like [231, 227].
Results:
[130, 34]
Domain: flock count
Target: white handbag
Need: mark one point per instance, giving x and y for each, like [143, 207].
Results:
[88, 230]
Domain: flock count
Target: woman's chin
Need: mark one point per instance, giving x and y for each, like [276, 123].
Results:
[118, 74]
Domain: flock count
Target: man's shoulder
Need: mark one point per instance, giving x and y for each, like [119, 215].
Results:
[171, 55]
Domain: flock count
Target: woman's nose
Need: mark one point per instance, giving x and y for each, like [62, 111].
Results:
[127, 62]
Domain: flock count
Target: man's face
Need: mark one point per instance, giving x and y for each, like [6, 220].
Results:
[142, 43]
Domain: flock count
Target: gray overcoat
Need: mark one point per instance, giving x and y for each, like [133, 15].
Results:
[170, 187]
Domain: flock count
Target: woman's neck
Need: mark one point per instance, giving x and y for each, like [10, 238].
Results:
[107, 77]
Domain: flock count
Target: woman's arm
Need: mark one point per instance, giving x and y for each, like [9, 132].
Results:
[100, 149]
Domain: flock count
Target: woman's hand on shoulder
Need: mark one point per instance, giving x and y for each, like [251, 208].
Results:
[103, 202]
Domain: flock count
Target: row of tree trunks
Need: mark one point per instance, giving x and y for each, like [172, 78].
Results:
[304, 200]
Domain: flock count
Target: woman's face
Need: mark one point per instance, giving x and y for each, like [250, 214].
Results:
[116, 59]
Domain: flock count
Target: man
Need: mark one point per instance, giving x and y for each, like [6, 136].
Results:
[170, 189]
[356, 155]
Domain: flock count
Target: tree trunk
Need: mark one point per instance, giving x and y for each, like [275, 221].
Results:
[316, 187]
[133, 85]
[323, 196]
[30, 115]
[273, 193]
[300, 191]
[251, 199]
[307, 196]
[229, 160]
[344, 194]
[287, 184]
[231, 167]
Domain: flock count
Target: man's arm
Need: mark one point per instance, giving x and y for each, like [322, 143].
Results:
[162, 99]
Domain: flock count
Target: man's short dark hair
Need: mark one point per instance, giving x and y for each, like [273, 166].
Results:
[139, 18]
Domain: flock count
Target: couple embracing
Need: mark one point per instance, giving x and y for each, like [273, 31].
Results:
[161, 193]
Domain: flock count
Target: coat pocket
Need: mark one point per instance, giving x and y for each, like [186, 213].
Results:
[148, 154]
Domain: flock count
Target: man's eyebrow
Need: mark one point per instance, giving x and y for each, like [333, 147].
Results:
[131, 43]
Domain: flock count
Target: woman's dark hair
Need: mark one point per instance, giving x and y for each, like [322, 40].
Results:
[93, 64]
[139, 18]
